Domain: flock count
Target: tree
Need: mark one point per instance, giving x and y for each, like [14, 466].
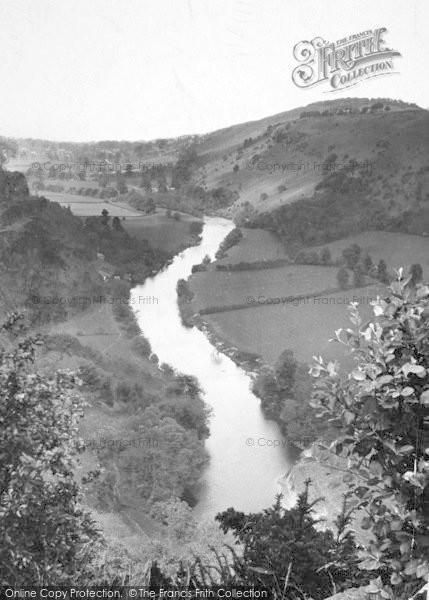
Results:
[416, 273]
[103, 180]
[116, 224]
[382, 407]
[121, 185]
[146, 182]
[46, 533]
[358, 275]
[150, 206]
[325, 256]
[351, 255]
[343, 278]
[184, 167]
[105, 217]
[367, 263]
[161, 181]
[382, 271]
[282, 549]
[266, 388]
[285, 370]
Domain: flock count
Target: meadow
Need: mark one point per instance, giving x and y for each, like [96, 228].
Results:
[161, 232]
[219, 288]
[85, 206]
[304, 327]
[396, 249]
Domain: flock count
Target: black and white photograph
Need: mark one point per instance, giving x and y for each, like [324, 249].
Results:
[214, 299]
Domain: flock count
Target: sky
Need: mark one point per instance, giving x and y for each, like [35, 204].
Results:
[79, 70]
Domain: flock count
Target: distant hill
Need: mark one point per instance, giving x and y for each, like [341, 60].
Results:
[266, 164]
[279, 160]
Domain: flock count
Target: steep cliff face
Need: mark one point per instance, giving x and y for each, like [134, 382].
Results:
[12, 185]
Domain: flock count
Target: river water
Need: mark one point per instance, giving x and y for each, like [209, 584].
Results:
[244, 466]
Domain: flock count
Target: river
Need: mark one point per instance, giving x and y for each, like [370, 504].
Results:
[245, 466]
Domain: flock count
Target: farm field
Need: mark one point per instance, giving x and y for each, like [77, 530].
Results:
[160, 231]
[303, 327]
[396, 249]
[223, 288]
[84, 206]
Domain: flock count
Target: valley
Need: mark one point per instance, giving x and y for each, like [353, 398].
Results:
[191, 298]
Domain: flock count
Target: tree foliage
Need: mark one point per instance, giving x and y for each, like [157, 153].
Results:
[383, 409]
[46, 533]
[282, 549]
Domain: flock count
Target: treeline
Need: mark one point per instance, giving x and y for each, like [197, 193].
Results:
[330, 216]
[231, 239]
[256, 265]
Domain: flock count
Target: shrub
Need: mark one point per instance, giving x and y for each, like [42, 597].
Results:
[343, 277]
[382, 407]
[46, 533]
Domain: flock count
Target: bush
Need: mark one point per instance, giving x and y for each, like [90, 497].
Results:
[343, 277]
[382, 407]
[46, 533]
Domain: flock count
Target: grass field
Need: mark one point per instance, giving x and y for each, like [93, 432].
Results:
[84, 206]
[220, 288]
[303, 327]
[397, 249]
[160, 231]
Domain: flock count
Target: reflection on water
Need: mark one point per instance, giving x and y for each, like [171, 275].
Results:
[244, 467]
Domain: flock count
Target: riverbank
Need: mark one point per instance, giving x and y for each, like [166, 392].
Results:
[144, 426]
[236, 416]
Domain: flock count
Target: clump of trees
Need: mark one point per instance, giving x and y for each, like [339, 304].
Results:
[327, 216]
[283, 550]
[184, 298]
[284, 391]
[185, 166]
[313, 257]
